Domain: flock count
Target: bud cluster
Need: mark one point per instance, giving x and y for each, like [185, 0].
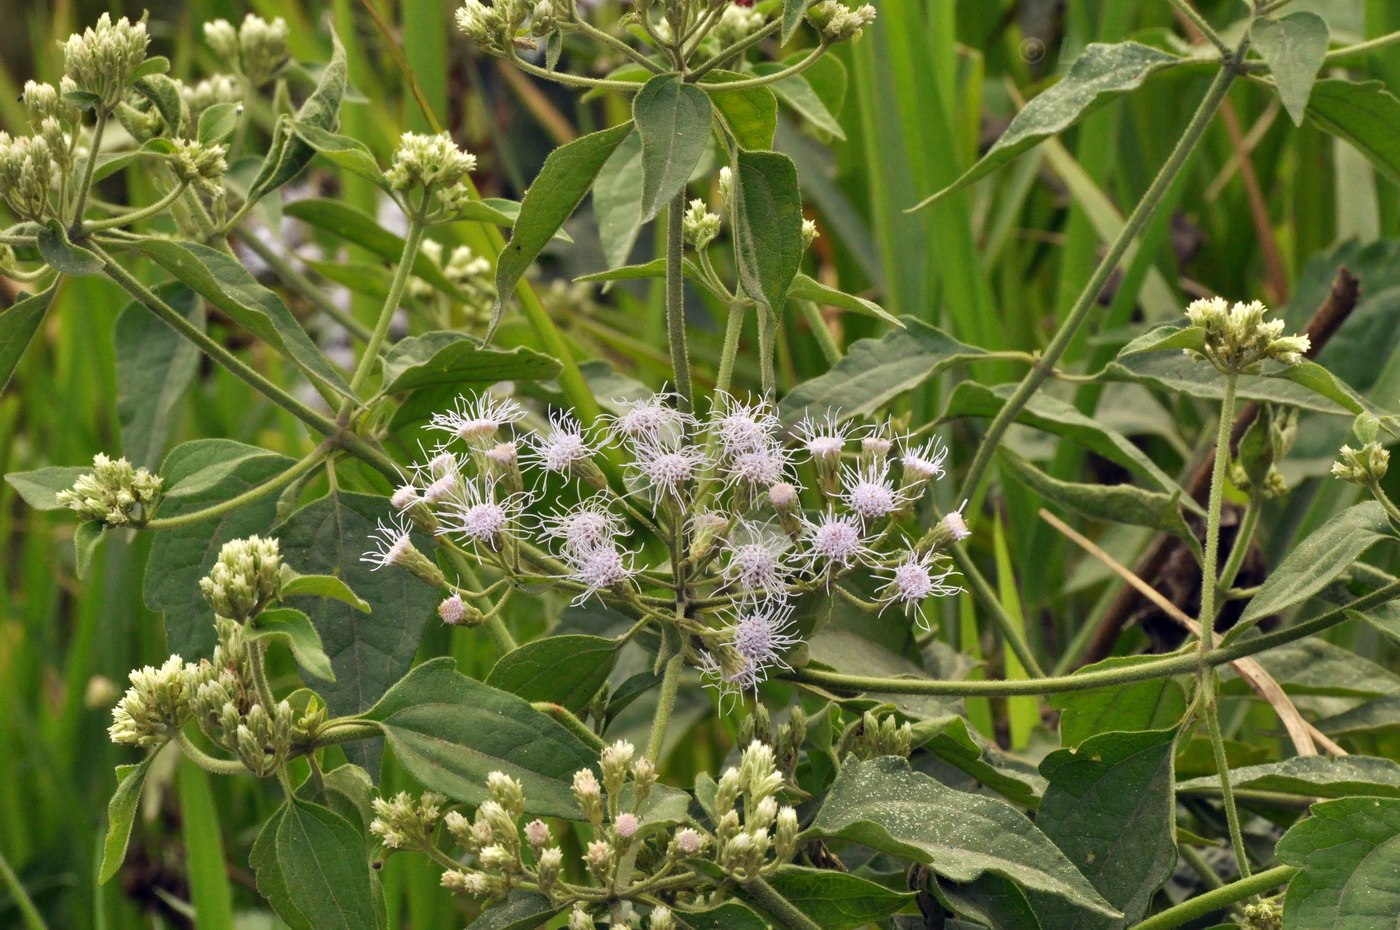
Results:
[114, 492]
[1365, 466]
[155, 706]
[786, 740]
[872, 736]
[429, 162]
[198, 164]
[26, 172]
[245, 579]
[102, 59]
[840, 23]
[754, 834]
[725, 490]
[255, 51]
[404, 823]
[1238, 338]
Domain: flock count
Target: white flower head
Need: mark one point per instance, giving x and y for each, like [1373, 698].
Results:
[585, 526]
[730, 675]
[743, 427]
[913, 580]
[668, 470]
[834, 542]
[602, 567]
[924, 462]
[761, 466]
[761, 635]
[955, 525]
[479, 515]
[562, 447]
[869, 492]
[405, 496]
[477, 420]
[654, 421]
[392, 541]
[756, 560]
[823, 438]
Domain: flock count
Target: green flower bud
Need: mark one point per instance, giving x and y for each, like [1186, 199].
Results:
[428, 161]
[1238, 338]
[507, 792]
[26, 175]
[102, 59]
[616, 760]
[737, 23]
[579, 919]
[246, 577]
[113, 492]
[199, 164]
[838, 22]
[785, 836]
[1362, 466]
[155, 706]
[700, 225]
[809, 233]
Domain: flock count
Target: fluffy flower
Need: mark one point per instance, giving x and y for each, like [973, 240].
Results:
[756, 560]
[479, 419]
[761, 635]
[562, 447]
[482, 516]
[599, 568]
[913, 580]
[585, 526]
[869, 492]
[668, 471]
[834, 542]
[743, 427]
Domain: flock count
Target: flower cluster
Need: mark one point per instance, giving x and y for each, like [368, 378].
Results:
[1238, 338]
[102, 60]
[155, 706]
[246, 577]
[840, 23]
[472, 274]
[734, 517]
[113, 492]
[1365, 466]
[255, 51]
[434, 165]
[26, 174]
[199, 164]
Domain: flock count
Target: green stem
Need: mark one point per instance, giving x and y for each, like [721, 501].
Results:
[566, 718]
[252, 494]
[572, 80]
[1248, 527]
[1200, 866]
[207, 762]
[1210, 574]
[1362, 48]
[665, 703]
[495, 626]
[766, 79]
[85, 185]
[256, 652]
[1386, 503]
[820, 331]
[675, 300]
[1200, 23]
[397, 286]
[780, 907]
[136, 216]
[1010, 631]
[1208, 681]
[303, 285]
[733, 329]
[27, 910]
[613, 42]
[1088, 299]
[767, 348]
[1218, 899]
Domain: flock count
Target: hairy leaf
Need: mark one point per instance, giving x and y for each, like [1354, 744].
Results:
[323, 586]
[731, 915]
[617, 203]
[63, 255]
[834, 900]
[18, 324]
[521, 910]
[751, 114]
[350, 154]
[293, 629]
[290, 154]
[323, 867]
[1294, 48]
[39, 488]
[1313, 776]
[767, 214]
[1349, 851]
[1361, 113]
[1116, 503]
[566, 670]
[805, 288]
[155, 365]
[1140, 705]
[121, 811]
[673, 120]
[457, 359]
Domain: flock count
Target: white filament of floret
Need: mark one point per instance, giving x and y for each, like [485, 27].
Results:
[587, 524]
[760, 635]
[913, 580]
[478, 418]
[834, 542]
[822, 437]
[653, 419]
[669, 470]
[481, 517]
[392, 541]
[756, 560]
[743, 427]
[599, 568]
[562, 447]
[869, 492]
[925, 461]
[761, 466]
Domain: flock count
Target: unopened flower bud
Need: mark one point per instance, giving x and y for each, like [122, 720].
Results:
[589, 795]
[700, 225]
[838, 22]
[616, 760]
[102, 59]
[809, 233]
[1238, 338]
[661, 918]
[599, 859]
[496, 859]
[245, 578]
[579, 919]
[550, 862]
[155, 706]
[507, 792]
[113, 492]
[405, 822]
[785, 836]
[1362, 466]
[428, 161]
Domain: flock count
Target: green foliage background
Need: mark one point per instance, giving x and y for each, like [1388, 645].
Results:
[932, 82]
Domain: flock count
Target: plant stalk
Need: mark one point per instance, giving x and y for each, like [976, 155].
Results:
[1211, 901]
[665, 704]
[89, 166]
[675, 300]
[397, 286]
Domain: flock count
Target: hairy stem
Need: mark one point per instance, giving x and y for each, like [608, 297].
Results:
[665, 703]
[1212, 901]
[136, 216]
[733, 329]
[207, 762]
[675, 300]
[1209, 683]
[570, 722]
[233, 503]
[402, 273]
[85, 185]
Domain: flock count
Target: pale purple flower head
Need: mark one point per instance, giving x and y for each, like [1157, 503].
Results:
[761, 466]
[869, 492]
[602, 567]
[669, 470]
[477, 420]
[760, 634]
[756, 560]
[584, 526]
[835, 542]
[742, 427]
[562, 447]
[823, 438]
[479, 516]
[913, 580]
[392, 541]
[653, 420]
[924, 462]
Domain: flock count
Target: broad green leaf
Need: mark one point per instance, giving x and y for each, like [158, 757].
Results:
[1116, 503]
[1314, 376]
[110, 163]
[293, 629]
[1319, 559]
[521, 910]
[18, 324]
[351, 154]
[673, 119]
[357, 227]
[617, 203]
[1360, 113]
[793, 12]
[1163, 338]
[454, 358]
[1314, 666]
[1384, 617]
[450, 732]
[767, 212]
[805, 288]
[1110, 808]
[1173, 371]
[566, 670]
[1377, 716]
[217, 470]
[323, 863]
[797, 92]
[1294, 48]
[1101, 73]
[218, 122]
[56, 249]
[155, 365]
[156, 64]
[1053, 415]
[751, 114]
[1349, 851]
[1313, 776]
[121, 811]
[656, 268]
[887, 806]
[85, 541]
[560, 187]
[834, 900]
[875, 372]
[964, 748]
[368, 651]
[323, 586]
[39, 488]
[1140, 705]
[222, 281]
[271, 881]
[991, 901]
[731, 915]
[164, 95]
[289, 154]
[828, 78]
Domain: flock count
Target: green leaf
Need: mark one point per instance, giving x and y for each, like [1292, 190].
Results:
[1319, 559]
[164, 95]
[1110, 808]
[200, 474]
[617, 203]
[750, 113]
[18, 324]
[875, 372]
[793, 12]
[1349, 851]
[673, 119]
[368, 651]
[289, 153]
[656, 268]
[324, 586]
[156, 64]
[521, 910]
[1360, 113]
[805, 288]
[1173, 371]
[565, 179]
[82, 99]
[1115, 503]
[39, 488]
[121, 812]
[218, 122]
[767, 213]
[1100, 74]
[320, 863]
[731, 915]
[834, 900]
[293, 629]
[454, 358]
[1294, 49]
[964, 748]
[1140, 705]
[222, 281]
[155, 365]
[1163, 338]
[351, 154]
[450, 731]
[885, 805]
[357, 227]
[1314, 376]
[85, 541]
[565, 670]
[798, 93]
[1313, 776]
[56, 249]
[1315, 666]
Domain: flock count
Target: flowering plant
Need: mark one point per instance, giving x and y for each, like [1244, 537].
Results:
[794, 548]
